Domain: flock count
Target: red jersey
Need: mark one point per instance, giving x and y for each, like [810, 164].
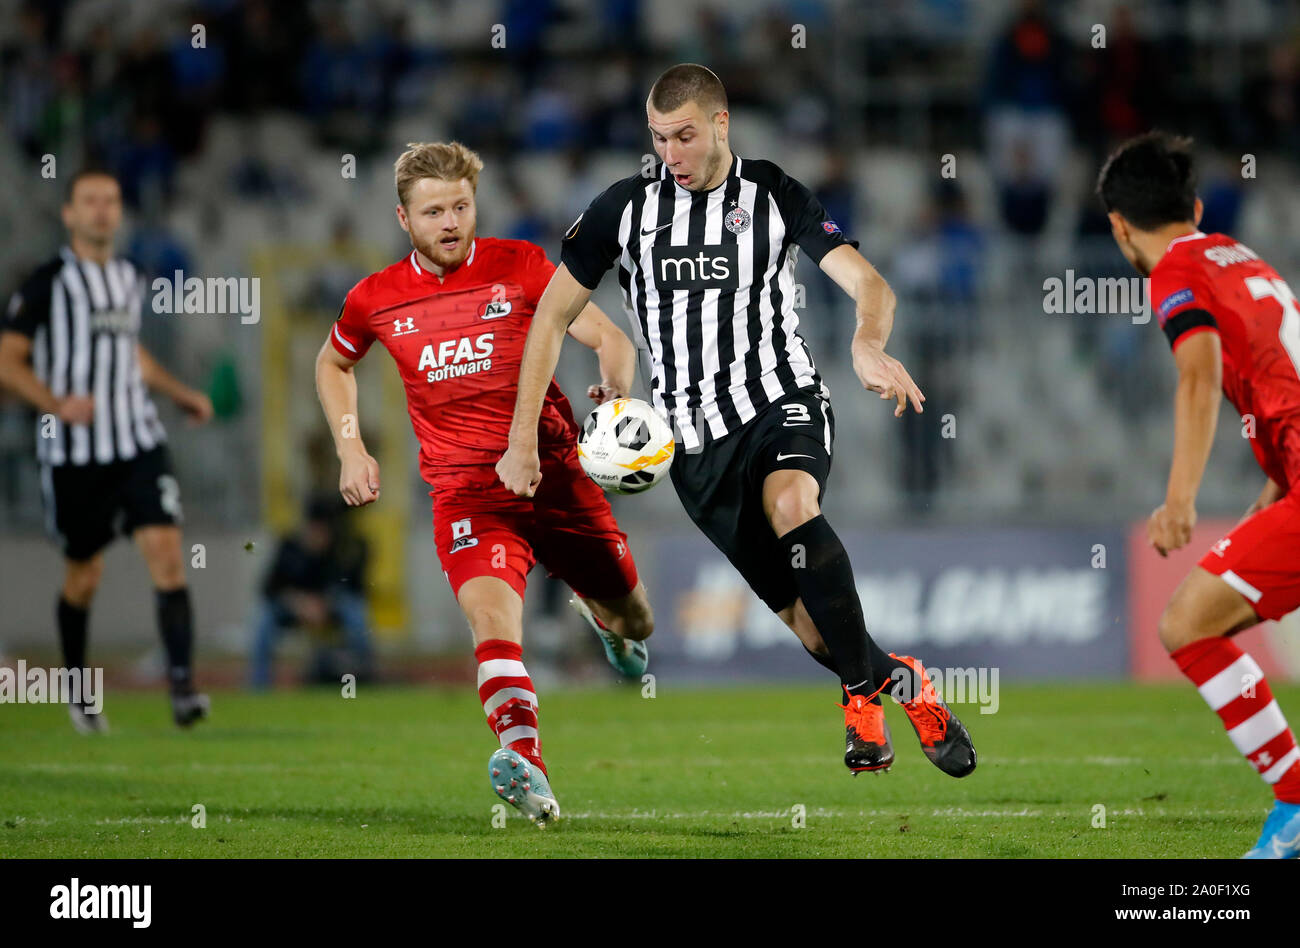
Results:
[458, 343]
[1211, 283]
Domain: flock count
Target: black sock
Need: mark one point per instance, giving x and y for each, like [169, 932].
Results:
[897, 677]
[825, 661]
[176, 626]
[824, 577]
[900, 681]
[72, 633]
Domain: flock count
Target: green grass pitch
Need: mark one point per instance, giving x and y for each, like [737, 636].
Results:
[718, 772]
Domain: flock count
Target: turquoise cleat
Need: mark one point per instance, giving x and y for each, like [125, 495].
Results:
[1281, 836]
[628, 658]
[523, 786]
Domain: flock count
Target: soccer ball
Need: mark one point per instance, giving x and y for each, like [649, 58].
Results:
[625, 446]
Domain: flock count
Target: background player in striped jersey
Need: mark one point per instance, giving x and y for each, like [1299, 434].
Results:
[70, 349]
[454, 314]
[706, 247]
[1233, 326]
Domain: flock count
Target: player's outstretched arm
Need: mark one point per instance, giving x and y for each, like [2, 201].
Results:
[196, 405]
[614, 352]
[336, 387]
[520, 468]
[1196, 414]
[875, 301]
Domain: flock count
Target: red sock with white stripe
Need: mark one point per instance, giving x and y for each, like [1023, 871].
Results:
[1233, 685]
[509, 699]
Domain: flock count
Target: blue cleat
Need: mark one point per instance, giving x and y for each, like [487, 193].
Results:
[523, 786]
[628, 658]
[1281, 836]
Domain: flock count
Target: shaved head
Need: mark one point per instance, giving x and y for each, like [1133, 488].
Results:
[685, 83]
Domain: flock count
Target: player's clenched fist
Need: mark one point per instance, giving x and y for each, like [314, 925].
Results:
[520, 471]
[1170, 526]
[359, 479]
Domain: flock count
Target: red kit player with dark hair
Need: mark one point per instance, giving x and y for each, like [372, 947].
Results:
[1235, 330]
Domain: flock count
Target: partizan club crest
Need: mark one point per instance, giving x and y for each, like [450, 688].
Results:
[737, 219]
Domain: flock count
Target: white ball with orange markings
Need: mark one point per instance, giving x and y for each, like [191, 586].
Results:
[625, 446]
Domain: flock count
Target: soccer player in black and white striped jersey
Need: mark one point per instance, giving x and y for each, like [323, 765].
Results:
[706, 245]
[69, 347]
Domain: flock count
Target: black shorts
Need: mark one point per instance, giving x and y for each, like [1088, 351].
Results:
[721, 486]
[87, 505]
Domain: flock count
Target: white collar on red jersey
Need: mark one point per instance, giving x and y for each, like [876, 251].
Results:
[1196, 235]
[473, 245]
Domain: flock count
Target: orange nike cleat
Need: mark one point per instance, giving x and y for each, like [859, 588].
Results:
[944, 739]
[867, 735]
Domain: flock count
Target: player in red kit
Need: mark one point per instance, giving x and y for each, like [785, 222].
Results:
[454, 315]
[1233, 325]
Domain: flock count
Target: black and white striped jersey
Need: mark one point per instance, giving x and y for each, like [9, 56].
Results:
[708, 280]
[84, 323]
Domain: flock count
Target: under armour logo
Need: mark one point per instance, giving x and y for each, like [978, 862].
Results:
[402, 327]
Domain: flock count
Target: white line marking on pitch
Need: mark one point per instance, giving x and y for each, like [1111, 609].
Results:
[1083, 811]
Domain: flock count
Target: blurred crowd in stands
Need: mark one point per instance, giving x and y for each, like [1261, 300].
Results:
[133, 85]
[1023, 84]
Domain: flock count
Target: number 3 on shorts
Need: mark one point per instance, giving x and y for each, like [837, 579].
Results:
[169, 496]
[796, 413]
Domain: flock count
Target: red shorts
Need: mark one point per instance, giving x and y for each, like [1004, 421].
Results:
[1260, 558]
[481, 529]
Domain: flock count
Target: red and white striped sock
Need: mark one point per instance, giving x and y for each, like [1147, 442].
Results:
[508, 697]
[1233, 685]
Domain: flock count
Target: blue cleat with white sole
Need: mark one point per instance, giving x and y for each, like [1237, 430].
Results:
[524, 786]
[1281, 836]
[629, 658]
